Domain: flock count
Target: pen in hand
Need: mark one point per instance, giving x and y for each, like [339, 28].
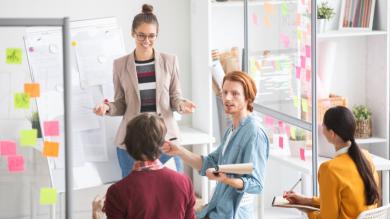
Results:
[295, 185]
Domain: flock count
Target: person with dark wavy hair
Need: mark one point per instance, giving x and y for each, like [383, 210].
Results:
[150, 190]
[243, 142]
[348, 183]
[146, 80]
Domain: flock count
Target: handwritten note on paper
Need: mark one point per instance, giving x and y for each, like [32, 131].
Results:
[7, 148]
[302, 153]
[305, 107]
[50, 149]
[48, 196]
[285, 40]
[13, 56]
[33, 89]
[28, 137]
[284, 9]
[15, 163]
[51, 128]
[22, 101]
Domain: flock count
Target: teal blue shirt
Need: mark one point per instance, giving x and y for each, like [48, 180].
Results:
[248, 144]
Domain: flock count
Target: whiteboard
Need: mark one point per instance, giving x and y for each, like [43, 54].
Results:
[95, 44]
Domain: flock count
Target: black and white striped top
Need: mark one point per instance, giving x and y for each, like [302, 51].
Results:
[146, 74]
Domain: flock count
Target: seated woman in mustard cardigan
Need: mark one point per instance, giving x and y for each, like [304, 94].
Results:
[348, 182]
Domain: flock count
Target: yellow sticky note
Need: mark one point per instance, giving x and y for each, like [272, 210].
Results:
[284, 9]
[299, 35]
[28, 137]
[253, 65]
[277, 64]
[304, 105]
[296, 103]
[74, 43]
[48, 196]
[21, 101]
[292, 132]
[32, 89]
[50, 149]
[13, 56]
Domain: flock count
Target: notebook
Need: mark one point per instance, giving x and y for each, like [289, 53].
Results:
[281, 202]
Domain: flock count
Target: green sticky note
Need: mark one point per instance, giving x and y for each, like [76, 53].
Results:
[304, 105]
[284, 9]
[48, 196]
[277, 65]
[296, 104]
[28, 137]
[22, 101]
[13, 56]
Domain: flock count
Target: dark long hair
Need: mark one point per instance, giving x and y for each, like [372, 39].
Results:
[340, 120]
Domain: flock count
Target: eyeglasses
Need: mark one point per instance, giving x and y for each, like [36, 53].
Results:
[142, 37]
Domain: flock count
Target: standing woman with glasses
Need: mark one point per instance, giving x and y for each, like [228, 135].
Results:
[145, 81]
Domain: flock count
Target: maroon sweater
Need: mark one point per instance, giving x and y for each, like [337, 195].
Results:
[153, 194]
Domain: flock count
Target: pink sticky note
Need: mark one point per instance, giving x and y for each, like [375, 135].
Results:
[269, 121]
[308, 75]
[287, 128]
[7, 148]
[285, 40]
[308, 51]
[297, 72]
[51, 128]
[281, 142]
[280, 125]
[298, 19]
[302, 154]
[15, 163]
[254, 18]
[303, 62]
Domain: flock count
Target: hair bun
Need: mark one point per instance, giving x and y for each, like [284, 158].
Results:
[147, 9]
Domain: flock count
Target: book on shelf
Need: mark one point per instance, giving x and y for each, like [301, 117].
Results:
[281, 202]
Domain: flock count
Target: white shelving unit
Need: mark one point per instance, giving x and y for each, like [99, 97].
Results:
[360, 69]
[336, 34]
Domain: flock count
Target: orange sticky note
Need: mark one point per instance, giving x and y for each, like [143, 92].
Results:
[268, 8]
[15, 163]
[32, 89]
[50, 149]
[298, 19]
[267, 21]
